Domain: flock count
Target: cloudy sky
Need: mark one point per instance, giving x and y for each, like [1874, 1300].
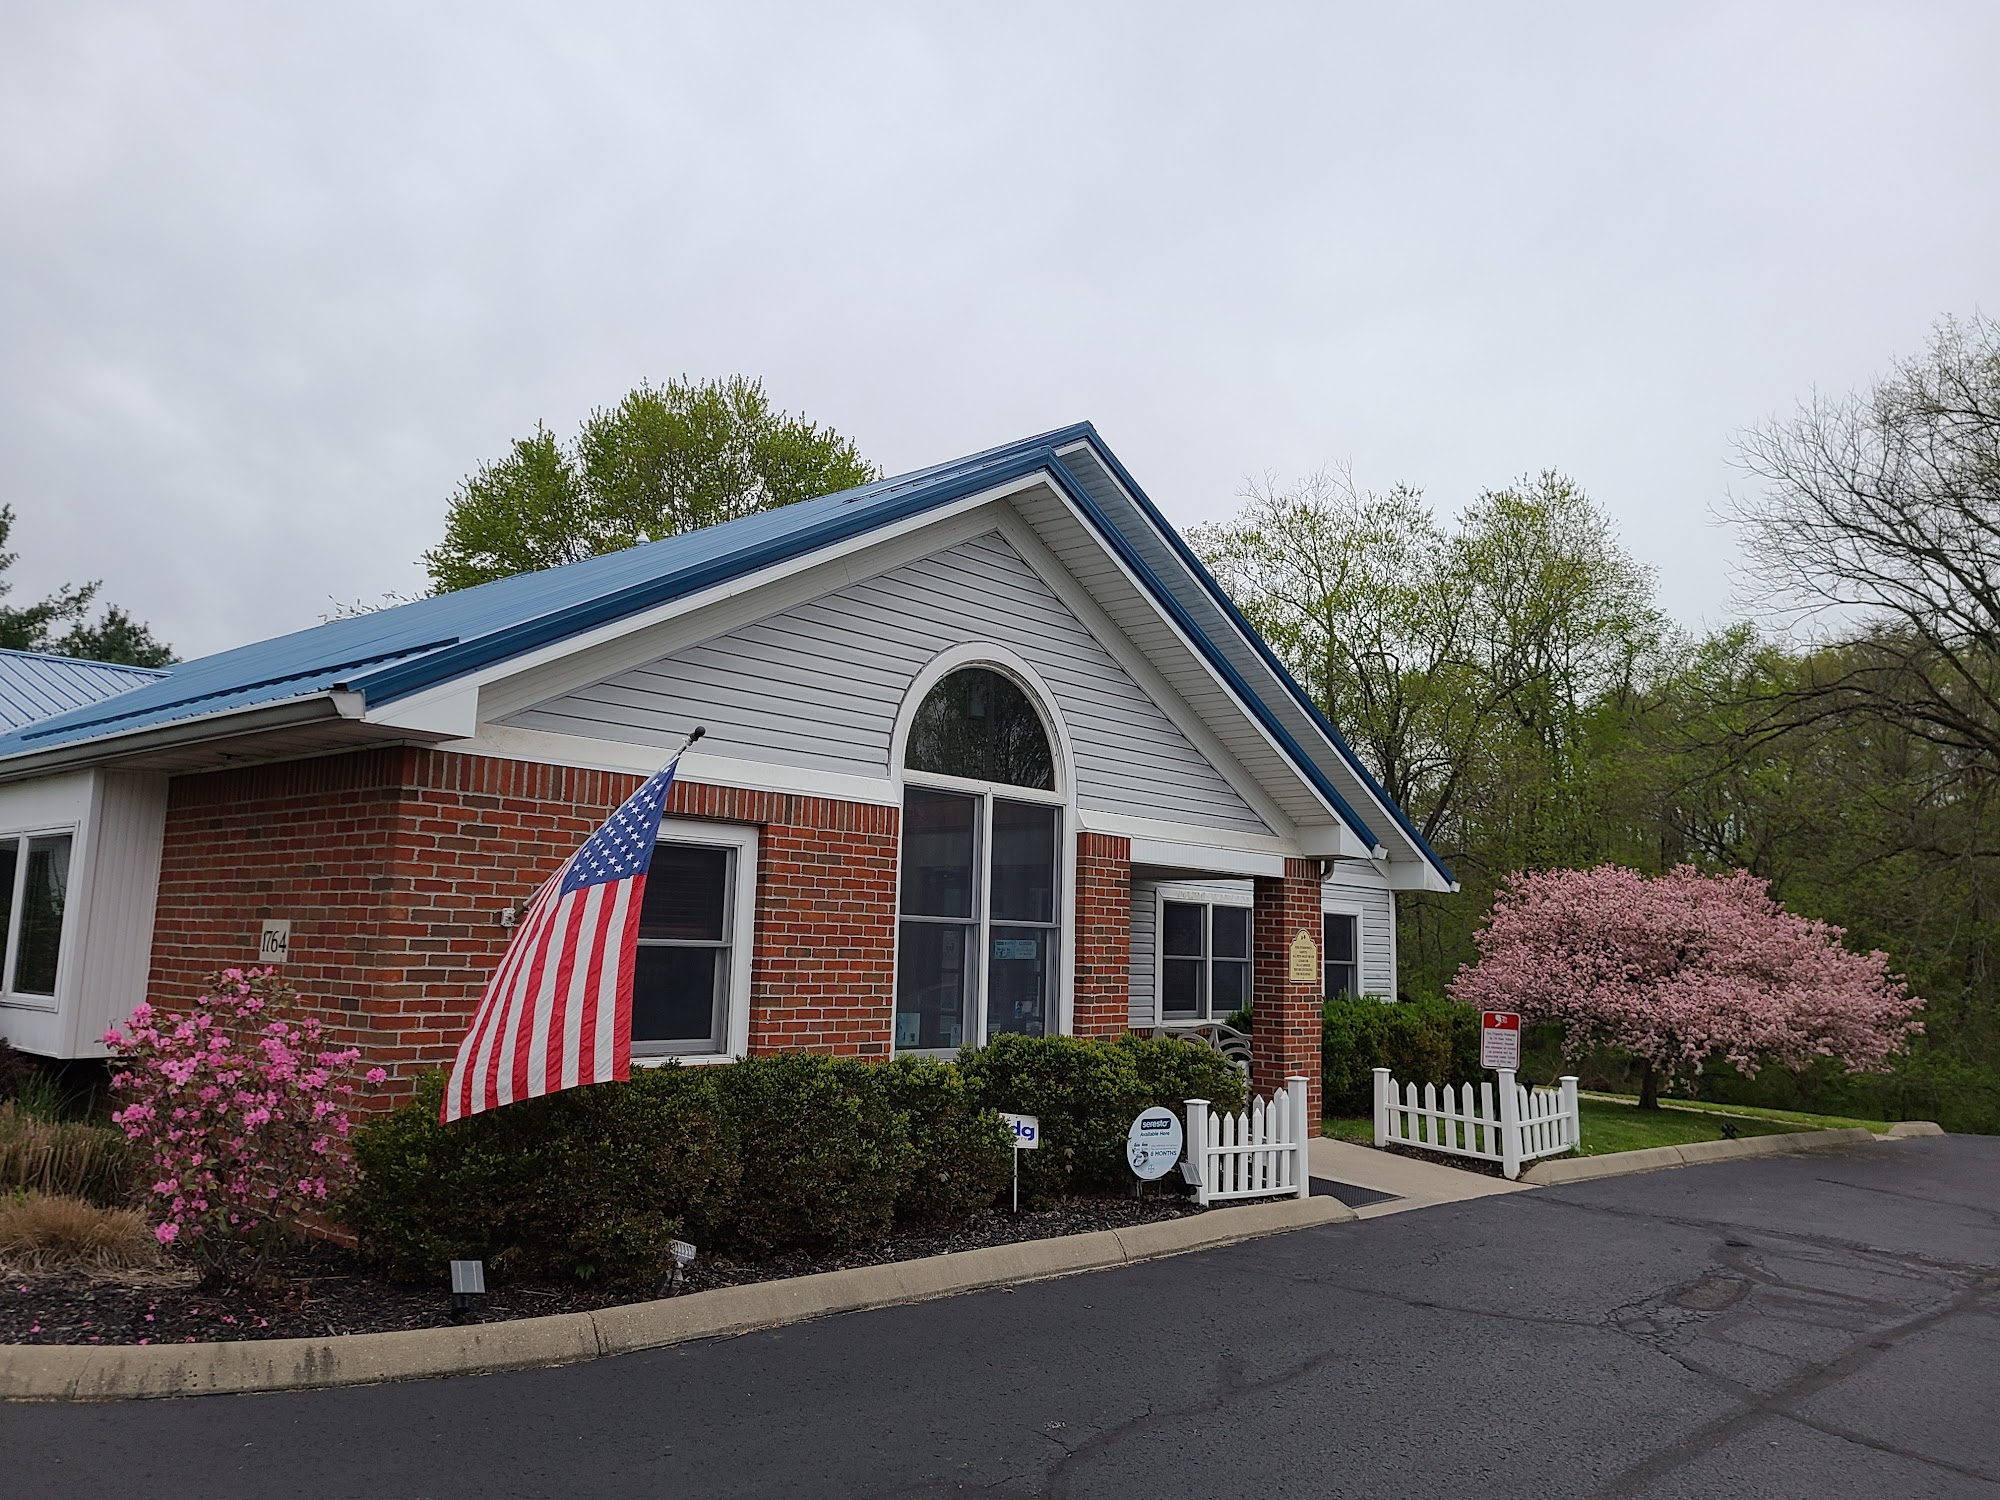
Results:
[273, 279]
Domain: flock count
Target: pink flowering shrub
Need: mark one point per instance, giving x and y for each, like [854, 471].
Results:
[1682, 968]
[238, 1108]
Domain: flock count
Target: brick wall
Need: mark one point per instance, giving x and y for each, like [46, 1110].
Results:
[1286, 1037]
[392, 866]
[1103, 935]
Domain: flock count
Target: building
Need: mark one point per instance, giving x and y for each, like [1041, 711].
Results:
[987, 750]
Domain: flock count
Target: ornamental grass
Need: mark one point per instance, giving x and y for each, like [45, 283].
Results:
[44, 1232]
[64, 1158]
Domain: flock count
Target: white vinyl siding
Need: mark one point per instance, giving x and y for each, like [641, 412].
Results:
[1377, 909]
[818, 686]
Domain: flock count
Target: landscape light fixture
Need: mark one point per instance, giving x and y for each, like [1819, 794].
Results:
[683, 1254]
[468, 1280]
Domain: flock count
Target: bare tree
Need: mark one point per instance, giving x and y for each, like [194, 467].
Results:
[1880, 517]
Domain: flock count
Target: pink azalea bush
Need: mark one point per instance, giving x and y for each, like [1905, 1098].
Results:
[1681, 968]
[238, 1108]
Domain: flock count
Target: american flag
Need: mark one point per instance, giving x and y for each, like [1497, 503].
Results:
[558, 1011]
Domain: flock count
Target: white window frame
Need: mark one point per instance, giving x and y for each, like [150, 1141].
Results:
[739, 933]
[1183, 895]
[994, 658]
[1359, 912]
[27, 1000]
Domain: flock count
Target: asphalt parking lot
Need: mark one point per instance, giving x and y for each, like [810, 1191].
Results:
[1823, 1326]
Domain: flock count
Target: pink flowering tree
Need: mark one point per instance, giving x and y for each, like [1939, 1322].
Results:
[239, 1108]
[1684, 968]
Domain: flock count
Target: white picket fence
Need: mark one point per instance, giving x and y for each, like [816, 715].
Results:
[1256, 1154]
[1529, 1123]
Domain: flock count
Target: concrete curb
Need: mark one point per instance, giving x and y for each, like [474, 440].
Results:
[1904, 1130]
[1657, 1158]
[105, 1372]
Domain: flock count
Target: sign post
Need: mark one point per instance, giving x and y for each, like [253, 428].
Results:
[1027, 1132]
[1499, 1040]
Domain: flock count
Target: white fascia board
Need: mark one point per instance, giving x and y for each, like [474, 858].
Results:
[588, 754]
[1337, 841]
[195, 729]
[1206, 858]
[1417, 875]
[548, 671]
[450, 711]
[1281, 694]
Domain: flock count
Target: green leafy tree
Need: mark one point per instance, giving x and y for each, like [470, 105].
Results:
[664, 460]
[61, 623]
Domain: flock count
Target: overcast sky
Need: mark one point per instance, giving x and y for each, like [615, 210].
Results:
[273, 279]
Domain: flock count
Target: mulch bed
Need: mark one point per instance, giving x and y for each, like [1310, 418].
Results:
[318, 1290]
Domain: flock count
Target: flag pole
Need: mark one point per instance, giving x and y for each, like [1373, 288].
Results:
[686, 745]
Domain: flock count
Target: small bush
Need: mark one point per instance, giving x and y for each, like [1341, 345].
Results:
[64, 1158]
[1173, 1071]
[49, 1232]
[1086, 1093]
[590, 1184]
[1420, 1041]
[823, 1153]
[15, 1069]
[236, 1108]
[957, 1157]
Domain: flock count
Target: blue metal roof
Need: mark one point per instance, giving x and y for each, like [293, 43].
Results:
[394, 653]
[35, 686]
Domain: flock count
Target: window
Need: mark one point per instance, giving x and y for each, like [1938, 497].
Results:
[978, 945]
[979, 725]
[689, 976]
[1204, 960]
[1340, 952]
[34, 887]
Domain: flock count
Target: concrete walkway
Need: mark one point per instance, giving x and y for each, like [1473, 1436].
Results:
[1414, 1183]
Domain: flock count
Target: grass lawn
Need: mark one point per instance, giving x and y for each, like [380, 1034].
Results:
[1789, 1117]
[1611, 1124]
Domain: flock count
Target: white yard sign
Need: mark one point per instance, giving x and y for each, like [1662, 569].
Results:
[1499, 1040]
[1027, 1132]
[1153, 1145]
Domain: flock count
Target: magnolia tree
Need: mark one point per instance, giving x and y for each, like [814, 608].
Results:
[1682, 968]
[238, 1107]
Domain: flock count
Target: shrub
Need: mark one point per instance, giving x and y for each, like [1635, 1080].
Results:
[51, 1232]
[235, 1109]
[590, 1184]
[1086, 1094]
[15, 1069]
[823, 1153]
[1173, 1071]
[64, 1158]
[1420, 1041]
[957, 1157]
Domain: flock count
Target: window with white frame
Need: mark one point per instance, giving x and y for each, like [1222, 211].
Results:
[34, 889]
[1204, 960]
[690, 976]
[1340, 951]
[980, 914]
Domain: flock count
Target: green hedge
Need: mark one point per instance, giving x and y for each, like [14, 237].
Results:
[1086, 1093]
[1420, 1041]
[782, 1152]
[589, 1184]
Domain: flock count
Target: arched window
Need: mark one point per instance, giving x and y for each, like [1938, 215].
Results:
[981, 908]
[979, 725]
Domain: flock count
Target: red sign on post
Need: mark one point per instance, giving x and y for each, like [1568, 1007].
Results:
[1499, 1040]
